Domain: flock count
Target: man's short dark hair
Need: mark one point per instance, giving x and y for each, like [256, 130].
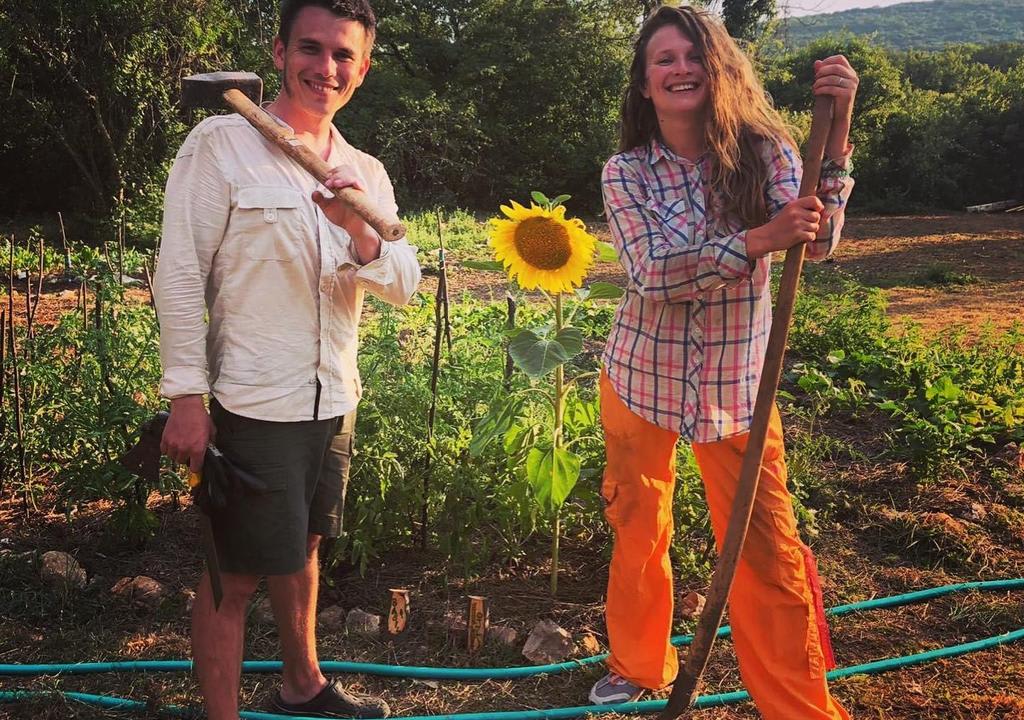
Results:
[358, 10]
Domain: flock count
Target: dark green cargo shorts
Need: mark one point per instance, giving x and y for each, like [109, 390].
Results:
[304, 467]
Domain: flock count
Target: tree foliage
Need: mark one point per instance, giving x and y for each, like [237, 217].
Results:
[91, 90]
[745, 19]
[479, 100]
[469, 102]
[918, 25]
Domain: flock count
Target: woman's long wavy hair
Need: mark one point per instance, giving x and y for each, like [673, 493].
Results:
[740, 117]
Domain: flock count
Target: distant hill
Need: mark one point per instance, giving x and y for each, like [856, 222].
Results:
[919, 25]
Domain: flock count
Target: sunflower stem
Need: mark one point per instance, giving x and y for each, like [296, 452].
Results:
[556, 442]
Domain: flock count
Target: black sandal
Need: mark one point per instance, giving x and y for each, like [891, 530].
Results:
[334, 701]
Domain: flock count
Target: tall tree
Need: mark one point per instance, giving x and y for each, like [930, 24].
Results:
[744, 19]
[91, 89]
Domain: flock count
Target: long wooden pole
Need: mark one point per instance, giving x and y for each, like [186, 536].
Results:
[684, 693]
[388, 228]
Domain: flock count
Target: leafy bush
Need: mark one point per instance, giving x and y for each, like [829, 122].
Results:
[946, 400]
[87, 384]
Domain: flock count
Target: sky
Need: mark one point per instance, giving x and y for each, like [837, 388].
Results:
[796, 8]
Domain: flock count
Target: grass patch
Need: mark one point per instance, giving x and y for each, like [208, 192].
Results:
[935, 275]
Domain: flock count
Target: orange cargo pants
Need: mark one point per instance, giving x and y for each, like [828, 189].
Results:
[778, 625]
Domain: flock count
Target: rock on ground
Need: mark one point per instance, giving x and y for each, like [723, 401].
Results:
[61, 571]
[140, 590]
[548, 643]
[359, 622]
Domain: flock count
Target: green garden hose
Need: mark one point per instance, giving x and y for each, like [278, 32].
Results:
[648, 706]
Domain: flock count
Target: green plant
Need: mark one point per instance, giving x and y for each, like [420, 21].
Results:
[86, 384]
[946, 399]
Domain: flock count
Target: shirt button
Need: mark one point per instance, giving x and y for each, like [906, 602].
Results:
[325, 286]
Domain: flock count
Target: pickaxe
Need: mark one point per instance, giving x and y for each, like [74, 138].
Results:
[684, 691]
[242, 92]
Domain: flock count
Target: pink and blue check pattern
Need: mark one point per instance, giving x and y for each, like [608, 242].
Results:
[688, 340]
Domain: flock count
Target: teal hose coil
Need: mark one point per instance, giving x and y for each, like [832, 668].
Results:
[647, 706]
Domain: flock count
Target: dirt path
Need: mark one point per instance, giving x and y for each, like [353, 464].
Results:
[943, 270]
[937, 270]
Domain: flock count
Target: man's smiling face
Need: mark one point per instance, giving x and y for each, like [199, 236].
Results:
[324, 61]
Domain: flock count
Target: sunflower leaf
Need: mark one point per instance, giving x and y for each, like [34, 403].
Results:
[571, 339]
[537, 356]
[560, 200]
[600, 291]
[540, 198]
[606, 252]
[488, 265]
[552, 473]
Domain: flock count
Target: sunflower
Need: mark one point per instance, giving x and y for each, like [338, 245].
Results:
[540, 248]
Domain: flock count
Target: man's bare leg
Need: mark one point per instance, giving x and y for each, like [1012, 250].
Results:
[217, 642]
[293, 598]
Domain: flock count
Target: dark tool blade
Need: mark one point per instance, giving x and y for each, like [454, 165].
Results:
[212, 562]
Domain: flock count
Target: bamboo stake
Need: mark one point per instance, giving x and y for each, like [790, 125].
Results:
[685, 689]
[510, 324]
[18, 418]
[147, 268]
[32, 302]
[64, 245]
[28, 314]
[435, 371]
[84, 287]
[3, 389]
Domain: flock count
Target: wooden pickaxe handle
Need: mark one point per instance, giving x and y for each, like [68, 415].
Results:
[312, 163]
[684, 692]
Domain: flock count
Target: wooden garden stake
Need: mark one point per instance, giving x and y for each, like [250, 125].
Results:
[477, 622]
[398, 616]
[19, 420]
[147, 268]
[684, 691]
[3, 388]
[442, 327]
[84, 287]
[510, 325]
[64, 244]
[31, 303]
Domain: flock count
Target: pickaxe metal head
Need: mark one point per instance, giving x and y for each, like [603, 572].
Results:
[206, 90]
[143, 458]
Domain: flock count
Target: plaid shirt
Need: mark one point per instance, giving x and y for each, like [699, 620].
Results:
[689, 337]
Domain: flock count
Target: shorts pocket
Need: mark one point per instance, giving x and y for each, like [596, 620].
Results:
[269, 221]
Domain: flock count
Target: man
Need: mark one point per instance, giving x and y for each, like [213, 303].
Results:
[280, 269]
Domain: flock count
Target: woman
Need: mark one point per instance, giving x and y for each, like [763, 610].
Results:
[703, 190]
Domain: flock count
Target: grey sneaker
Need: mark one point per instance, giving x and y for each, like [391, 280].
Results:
[614, 688]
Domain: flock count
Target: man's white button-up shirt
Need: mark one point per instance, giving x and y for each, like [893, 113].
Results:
[258, 293]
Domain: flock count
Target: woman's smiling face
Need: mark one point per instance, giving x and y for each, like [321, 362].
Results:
[676, 80]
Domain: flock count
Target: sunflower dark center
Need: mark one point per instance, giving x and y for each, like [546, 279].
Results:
[543, 243]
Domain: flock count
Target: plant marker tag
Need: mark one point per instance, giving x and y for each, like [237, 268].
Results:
[476, 627]
[398, 616]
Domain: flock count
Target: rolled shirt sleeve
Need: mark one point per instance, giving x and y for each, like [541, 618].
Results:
[834, 188]
[395, 274]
